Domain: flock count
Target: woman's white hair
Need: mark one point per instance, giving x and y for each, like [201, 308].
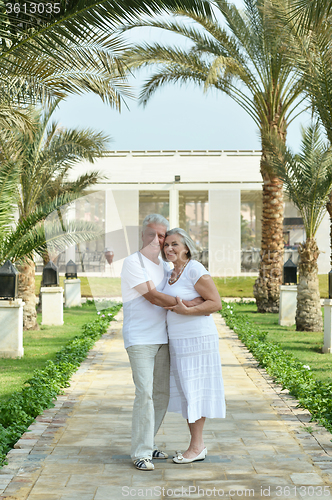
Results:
[155, 219]
[186, 240]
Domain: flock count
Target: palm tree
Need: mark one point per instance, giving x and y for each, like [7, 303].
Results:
[74, 49]
[248, 61]
[46, 157]
[307, 180]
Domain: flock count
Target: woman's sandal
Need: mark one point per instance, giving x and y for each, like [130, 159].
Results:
[180, 459]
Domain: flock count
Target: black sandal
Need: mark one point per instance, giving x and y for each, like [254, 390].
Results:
[159, 454]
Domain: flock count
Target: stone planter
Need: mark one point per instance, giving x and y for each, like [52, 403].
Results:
[287, 305]
[72, 292]
[52, 305]
[327, 326]
[11, 331]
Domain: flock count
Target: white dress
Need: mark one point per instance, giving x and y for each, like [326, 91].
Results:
[196, 385]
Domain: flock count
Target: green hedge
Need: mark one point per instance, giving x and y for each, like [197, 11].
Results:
[41, 389]
[312, 394]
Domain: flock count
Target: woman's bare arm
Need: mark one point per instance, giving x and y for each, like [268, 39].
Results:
[208, 291]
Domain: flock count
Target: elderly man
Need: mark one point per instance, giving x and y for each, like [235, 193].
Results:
[143, 277]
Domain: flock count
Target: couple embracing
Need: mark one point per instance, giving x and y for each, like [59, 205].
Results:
[171, 340]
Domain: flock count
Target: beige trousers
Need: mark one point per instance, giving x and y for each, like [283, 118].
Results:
[150, 370]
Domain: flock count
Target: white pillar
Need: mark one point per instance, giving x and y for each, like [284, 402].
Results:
[11, 331]
[224, 232]
[52, 305]
[70, 254]
[72, 292]
[287, 305]
[173, 207]
[327, 326]
[127, 203]
[70, 251]
[121, 226]
[323, 242]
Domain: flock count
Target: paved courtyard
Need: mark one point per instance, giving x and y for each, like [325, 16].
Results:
[79, 450]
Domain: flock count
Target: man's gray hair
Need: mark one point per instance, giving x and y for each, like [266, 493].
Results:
[155, 219]
[186, 240]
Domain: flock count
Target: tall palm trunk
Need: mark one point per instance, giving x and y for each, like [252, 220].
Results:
[308, 311]
[26, 291]
[267, 285]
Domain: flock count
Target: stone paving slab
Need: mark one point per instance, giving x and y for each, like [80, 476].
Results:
[79, 450]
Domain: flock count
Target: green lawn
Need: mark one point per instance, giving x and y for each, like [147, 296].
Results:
[40, 346]
[93, 287]
[235, 287]
[227, 287]
[305, 346]
[243, 286]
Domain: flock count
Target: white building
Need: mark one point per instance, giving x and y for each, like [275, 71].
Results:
[214, 195]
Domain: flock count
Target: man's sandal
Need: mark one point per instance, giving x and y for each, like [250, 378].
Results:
[159, 454]
[143, 464]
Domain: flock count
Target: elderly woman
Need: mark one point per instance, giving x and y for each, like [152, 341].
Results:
[196, 380]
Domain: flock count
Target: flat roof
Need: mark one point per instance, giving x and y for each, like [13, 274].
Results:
[185, 152]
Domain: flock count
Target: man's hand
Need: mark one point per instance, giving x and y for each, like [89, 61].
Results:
[179, 308]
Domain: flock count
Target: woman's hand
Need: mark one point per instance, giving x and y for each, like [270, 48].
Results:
[179, 308]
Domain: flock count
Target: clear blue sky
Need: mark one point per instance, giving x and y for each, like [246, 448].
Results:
[175, 118]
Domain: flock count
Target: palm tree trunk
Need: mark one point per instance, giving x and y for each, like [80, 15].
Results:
[308, 311]
[267, 285]
[26, 291]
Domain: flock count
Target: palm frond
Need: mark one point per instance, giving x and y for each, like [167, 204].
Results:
[310, 13]
[83, 182]
[41, 239]
[82, 20]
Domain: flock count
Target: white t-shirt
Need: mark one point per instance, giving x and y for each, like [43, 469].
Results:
[180, 326]
[143, 322]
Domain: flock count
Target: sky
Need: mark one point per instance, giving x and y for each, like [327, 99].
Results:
[174, 118]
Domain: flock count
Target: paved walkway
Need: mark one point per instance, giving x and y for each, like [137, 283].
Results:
[79, 450]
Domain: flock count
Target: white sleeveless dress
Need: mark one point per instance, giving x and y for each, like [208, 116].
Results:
[196, 384]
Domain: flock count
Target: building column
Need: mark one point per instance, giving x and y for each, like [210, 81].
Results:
[121, 226]
[173, 207]
[323, 242]
[70, 251]
[225, 232]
